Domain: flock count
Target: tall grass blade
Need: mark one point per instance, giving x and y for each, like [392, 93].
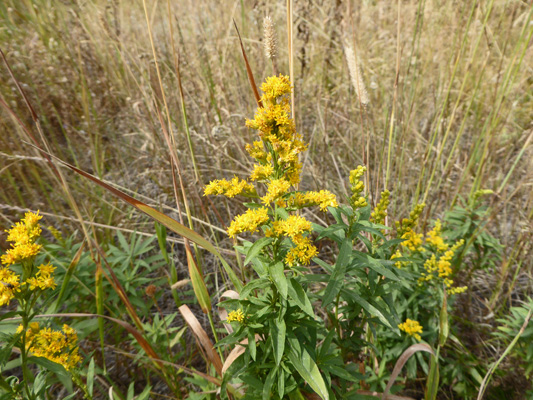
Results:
[248, 69]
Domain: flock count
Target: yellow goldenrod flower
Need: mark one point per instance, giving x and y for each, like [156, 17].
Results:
[303, 252]
[323, 199]
[43, 279]
[20, 253]
[57, 346]
[413, 240]
[261, 172]
[275, 86]
[228, 188]
[294, 225]
[410, 223]
[398, 264]
[457, 290]
[276, 189]
[23, 235]
[257, 151]
[236, 316]
[357, 187]
[9, 285]
[380, 212]
[441, 268]
[435, 239]
[412, 328]
[249, 221]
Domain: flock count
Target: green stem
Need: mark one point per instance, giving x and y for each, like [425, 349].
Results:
[210, 317]
[23, 352]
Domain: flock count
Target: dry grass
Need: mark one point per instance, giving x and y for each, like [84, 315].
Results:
[449, 103]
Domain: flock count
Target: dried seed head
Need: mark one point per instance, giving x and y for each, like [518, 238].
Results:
[150, 290]
[355, 75]
[270, 37]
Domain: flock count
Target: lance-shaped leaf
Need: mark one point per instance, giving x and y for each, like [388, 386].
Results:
[197, 280]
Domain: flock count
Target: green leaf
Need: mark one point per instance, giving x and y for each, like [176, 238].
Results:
[342, 373]
[444, 328]
[255, 284]
[369, 308]
[432, 385]
[278, 276]
[297, 294]
[330, 230]
[337, 278]
[278, 331]
[49, 365]
[267, 388]
[252, 347]
[308, 370]
[256, 248]
[376, 266]
[90, 377]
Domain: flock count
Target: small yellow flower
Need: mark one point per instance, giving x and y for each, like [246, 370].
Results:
[303, 252]
[275, 86]
[57, 346]
[380, 212]
[410, 223]
[236, 316]
[457, 290]
[413, 240]
[249, 221]
[398, 264]
[9, 285]
[276, 189]
[435, 239]
[294, 225]
[357, 187]
[261, 172]
[323, 199]
[228, 188]
[412, 328]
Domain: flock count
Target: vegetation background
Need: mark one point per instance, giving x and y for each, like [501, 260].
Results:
[450, 104]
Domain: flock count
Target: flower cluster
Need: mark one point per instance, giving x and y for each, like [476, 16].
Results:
[435, 239]
[294, 227]
[408, 224]
[413, 240]
[435, 252]
[323, 199]
[249, 221]
[229, 188]
[380, 212]
[57, 346]
[23, 235]
[280, 144]
[237, 315]
[412, 328]
[43, 279]
[9, 285]
[441, 268]
[357, 187]
[278, 168]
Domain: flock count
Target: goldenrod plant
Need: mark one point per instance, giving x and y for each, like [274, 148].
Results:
[24, 288]
[289, 347]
